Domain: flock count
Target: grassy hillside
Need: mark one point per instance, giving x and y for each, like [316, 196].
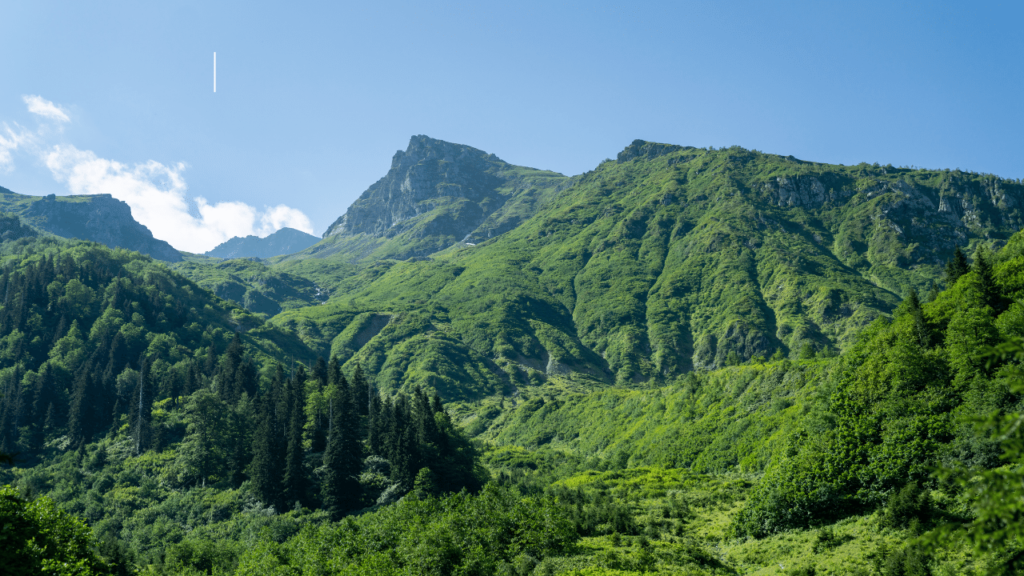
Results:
[252, 285]
[669, 259]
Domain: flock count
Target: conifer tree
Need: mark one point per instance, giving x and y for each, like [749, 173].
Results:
[375, 425]
[294, 480]
[141, 409]
[404, 464]
[933, 291]
[362, 392]
[921, 332]
[342, 458]
[265, 469]
[81, 419]
[986, 282]
[956, 268]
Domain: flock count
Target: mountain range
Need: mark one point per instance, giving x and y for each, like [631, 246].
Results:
[684, 361]
[459, 269]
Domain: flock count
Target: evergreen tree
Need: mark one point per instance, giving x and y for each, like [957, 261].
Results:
[362, 391]
[191, 379]
[342, 459]
[210, 364]
[405, 464]
[933, 291]
[921, 331]
[294, 480]
[956, 267]
[375, 425]
[265, 468]
[986, 282]
[81, 419]
[141, 411]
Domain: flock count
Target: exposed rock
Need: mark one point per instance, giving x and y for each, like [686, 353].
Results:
[437, 194]
[97, 217]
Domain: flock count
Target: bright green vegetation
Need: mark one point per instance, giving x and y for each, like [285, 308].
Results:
[666, 260]
[38, 537]
[683, 362]
[251, 284]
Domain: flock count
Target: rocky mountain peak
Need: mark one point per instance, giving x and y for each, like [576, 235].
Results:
[428, 173]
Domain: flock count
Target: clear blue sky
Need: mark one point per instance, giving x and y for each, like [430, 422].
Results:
[313, 99]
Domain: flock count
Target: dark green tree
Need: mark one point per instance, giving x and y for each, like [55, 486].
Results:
[141, 410]
[982, 267]
[956, 267]
[294, 480]
[342, 459]
[913, 307]
[265, 468]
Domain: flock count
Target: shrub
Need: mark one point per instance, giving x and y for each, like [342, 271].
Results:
[909, 506]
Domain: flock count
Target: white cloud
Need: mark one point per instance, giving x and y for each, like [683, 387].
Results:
[9, 143]
[45, 108]
[157, 196]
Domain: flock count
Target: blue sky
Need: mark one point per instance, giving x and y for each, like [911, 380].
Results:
[313, 99]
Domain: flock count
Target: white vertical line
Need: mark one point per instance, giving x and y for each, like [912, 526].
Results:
[214, 72]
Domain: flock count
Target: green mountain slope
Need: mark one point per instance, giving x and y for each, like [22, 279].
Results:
[668, 259]
[251, 284]
[96, 217]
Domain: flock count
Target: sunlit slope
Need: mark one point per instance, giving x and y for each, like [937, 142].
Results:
[668, 259]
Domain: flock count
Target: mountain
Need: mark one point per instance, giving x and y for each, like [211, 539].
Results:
[95, 217]
[284, 241]
[667, 259]
[686, 360]
[436, 194]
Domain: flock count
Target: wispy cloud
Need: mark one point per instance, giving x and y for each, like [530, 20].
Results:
[45, 108]
[11, 140]
[157, 196]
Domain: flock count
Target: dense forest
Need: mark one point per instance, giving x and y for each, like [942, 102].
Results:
[846, 403]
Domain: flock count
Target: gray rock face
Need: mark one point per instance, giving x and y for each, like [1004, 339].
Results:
[426, 174]
[437, 194]
[98, 218]
[284, 241]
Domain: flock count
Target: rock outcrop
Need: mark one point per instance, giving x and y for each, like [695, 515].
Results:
[96, 217]
[437, 194]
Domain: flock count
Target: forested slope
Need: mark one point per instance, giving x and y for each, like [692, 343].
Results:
[666, 260]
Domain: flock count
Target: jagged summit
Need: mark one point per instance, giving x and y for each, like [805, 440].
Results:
[436, 194]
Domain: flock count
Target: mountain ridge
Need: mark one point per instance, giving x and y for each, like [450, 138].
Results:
[95, 217]
[283, 241]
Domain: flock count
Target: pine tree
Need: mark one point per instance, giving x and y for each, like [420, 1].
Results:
[342, 459]
[81, 419]
[265, 469]
[141, 408]
[294, 480]
[933, 291]
[956, 268]
[986, 281]
[362, 391]
[405, 464]
[921, 331]
[375, 425]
